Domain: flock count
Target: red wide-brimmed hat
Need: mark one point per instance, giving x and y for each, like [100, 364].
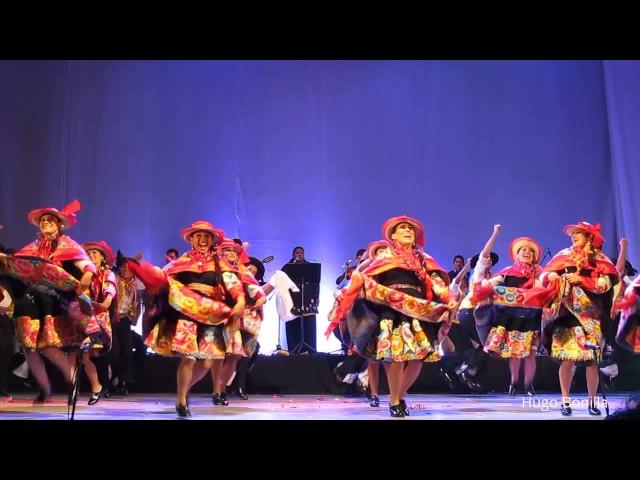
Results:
[373, 246]
[67, 215]
[520, 242]
[243, 256]
[389, 226]
[587, 227]
[202, 226]
[103, 248]
[229, 243]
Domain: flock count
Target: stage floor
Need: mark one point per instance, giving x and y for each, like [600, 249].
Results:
[309, 407]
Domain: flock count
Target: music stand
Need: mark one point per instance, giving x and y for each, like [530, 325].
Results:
[304, 275]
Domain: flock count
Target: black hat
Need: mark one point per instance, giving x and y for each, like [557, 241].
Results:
[494, 259]
[259, 266]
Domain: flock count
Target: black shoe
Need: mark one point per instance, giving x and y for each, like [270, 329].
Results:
[530, 391]
[240, 394]
[396, 411]
[374, 401]
[95, 397]
[593, 410]
[183, 411]
[404, 407]
[512, 390]
[565, 410]
[220, 399]
[122, 391]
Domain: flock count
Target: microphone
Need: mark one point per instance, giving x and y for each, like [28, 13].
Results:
[347, 264]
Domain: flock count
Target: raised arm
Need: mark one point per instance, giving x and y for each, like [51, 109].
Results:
[622, 256]
[488, 247]
[462, 272]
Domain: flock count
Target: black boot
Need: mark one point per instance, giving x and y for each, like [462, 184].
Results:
[565, 409]
[396, 411]
[404, 407]
[220, 399]
[240, 393]
[512, 390]
[95, 397]
[374, 401]
[593, 410]
[183, 411]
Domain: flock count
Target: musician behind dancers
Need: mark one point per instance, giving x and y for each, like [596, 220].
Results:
[458, 265]
[341, 282]
[170, 255]
[348, 269]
